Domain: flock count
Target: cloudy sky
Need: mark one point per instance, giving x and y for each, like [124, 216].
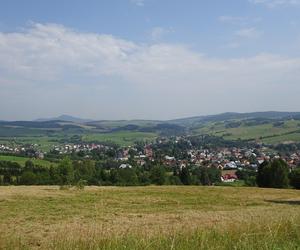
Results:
[148, 59]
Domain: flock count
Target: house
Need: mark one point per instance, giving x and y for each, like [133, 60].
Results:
[123, 166]
[229, 178]
[169, 158]
[230, 165]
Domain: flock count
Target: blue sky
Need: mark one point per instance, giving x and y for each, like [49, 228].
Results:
[150, 59]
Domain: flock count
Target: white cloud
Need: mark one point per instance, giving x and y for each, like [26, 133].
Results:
[138, 2]
[250, 33]
[158, 33]
[100, 76]
[276, 3]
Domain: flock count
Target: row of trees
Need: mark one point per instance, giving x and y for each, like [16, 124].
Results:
[274, 174]
[69, 172]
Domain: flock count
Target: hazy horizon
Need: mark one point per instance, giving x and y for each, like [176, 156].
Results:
[132, 119]
[148, 59]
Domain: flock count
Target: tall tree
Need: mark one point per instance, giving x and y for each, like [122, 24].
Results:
[273, 174]
[204, 177]
[185, 176]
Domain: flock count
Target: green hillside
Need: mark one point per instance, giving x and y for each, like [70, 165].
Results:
[268, 133]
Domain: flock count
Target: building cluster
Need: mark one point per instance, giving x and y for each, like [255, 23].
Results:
[29, 150]
[82, 147]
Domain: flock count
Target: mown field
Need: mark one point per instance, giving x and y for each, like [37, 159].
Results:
[44, 217]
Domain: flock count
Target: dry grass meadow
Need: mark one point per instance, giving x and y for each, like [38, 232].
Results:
[167, 217]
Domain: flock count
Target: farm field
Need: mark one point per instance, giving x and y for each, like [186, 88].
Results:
[122, 138]
[22, 160]
[153, 217]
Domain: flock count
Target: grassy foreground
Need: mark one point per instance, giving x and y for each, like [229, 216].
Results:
[149, 218]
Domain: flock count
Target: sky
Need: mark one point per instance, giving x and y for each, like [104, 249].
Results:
[148, 59]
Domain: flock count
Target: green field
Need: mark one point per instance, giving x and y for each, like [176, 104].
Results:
[22, 160]
[122, 138]
[168, 217]
[267, 133]
[44, 143]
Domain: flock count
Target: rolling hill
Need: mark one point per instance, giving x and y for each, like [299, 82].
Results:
[268, 127]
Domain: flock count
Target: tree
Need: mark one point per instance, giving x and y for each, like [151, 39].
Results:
[295, 178]
[185, 176]
[54, 175]
[158, 175]
[204, 177]
[29, 165]
[262, 176]
[66, 172]
[144, 177]
[127, 177]
[273, 175]
[28, 178]
[249, 176]
[214, 174]
[84, 170]
[279, 174]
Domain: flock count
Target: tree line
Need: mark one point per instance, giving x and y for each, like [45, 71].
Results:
[274, 174]
[89, 172]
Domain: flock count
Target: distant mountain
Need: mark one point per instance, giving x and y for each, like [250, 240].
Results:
[66, 118]
[114, 125]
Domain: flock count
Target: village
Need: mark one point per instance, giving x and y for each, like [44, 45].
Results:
[183, 154]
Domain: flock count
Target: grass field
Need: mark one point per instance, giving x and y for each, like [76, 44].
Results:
[22, 160]
[267, 133]
[122, 138]
[149, 218]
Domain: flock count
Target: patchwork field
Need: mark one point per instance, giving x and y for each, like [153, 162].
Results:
[45, 217]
